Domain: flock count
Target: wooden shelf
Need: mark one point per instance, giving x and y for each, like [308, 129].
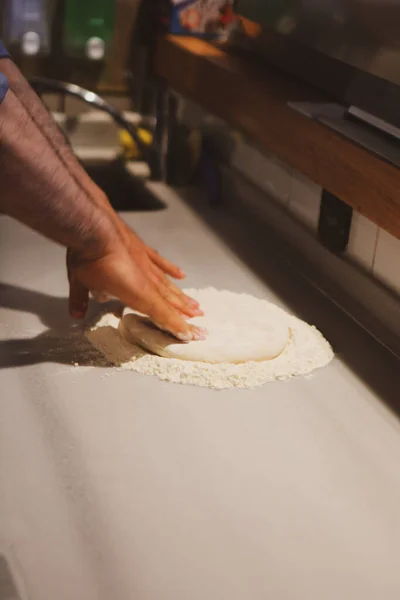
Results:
[255, 101]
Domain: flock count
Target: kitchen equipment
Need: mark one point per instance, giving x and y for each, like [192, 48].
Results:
[88, 28]
[26, 26]
[349, 49]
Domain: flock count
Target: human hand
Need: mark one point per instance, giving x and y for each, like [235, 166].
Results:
[127, 272]
[156, 267]
[159, 269]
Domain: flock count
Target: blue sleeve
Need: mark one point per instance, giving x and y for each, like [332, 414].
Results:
[3, 78]
[3, 51]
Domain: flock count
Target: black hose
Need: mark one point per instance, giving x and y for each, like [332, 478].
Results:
[43, 85]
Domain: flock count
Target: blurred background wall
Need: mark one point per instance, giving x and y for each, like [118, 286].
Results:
[108, 76]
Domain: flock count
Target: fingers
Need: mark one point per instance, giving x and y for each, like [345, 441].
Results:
[78, 299]
[173, 294]
[175, 297]
[165, 265]
[174, 288]
[168, 319]
[121, 278]
[117, 275]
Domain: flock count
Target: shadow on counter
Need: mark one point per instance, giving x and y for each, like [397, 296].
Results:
[63, 341]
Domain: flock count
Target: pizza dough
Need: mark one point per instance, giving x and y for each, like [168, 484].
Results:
[306, 352]
[240, 329]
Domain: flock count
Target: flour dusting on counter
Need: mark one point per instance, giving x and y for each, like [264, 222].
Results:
[307, 351]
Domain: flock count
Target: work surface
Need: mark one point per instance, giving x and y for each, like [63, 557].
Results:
[118, 486]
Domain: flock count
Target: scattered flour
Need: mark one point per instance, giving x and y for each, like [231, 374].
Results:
[307, 351]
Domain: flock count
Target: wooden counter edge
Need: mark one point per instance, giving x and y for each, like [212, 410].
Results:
[256, 104]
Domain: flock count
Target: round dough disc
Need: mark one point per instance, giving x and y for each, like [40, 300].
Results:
[240, 328]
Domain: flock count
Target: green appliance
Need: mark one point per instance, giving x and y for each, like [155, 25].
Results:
[89, 28]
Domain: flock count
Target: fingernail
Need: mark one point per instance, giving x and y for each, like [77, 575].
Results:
[199, 337]
[198, 313]
[185, 337]
[182, 273]
[193, 303]
[200, 334]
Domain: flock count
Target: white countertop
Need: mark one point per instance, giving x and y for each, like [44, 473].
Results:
[119, 486]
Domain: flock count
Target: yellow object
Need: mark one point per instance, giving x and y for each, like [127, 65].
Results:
[129, 146]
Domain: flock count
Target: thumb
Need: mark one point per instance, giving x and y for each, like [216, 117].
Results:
[78, 299]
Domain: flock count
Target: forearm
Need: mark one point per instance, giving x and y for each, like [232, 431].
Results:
[37, 188]
[44, 121]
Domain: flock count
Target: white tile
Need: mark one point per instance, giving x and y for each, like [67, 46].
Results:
[265, 171]
[387, 260]
[363, 239]
[305, 200]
